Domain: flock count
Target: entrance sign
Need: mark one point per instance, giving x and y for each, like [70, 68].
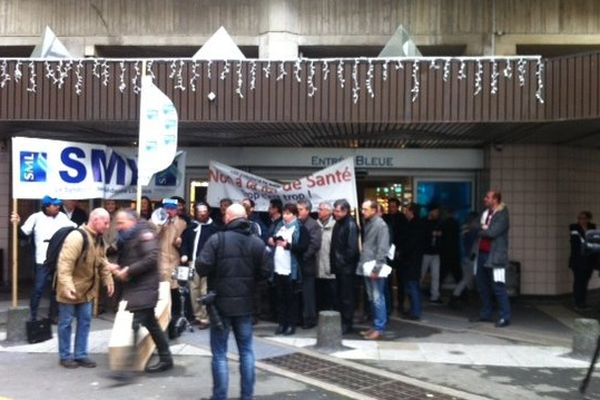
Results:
[330, 184]
[71, 170]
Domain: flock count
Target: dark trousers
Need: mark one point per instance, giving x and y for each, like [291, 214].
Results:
[287, 301]
[581, 278]
[147, 319]
[488, 288]
[346, 294]
[309, 301]
[400, 286]
[326, 294]
[43, 279]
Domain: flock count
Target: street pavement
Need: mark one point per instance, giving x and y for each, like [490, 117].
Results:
[443, 353]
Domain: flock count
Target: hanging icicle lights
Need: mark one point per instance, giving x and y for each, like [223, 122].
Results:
[367, 75]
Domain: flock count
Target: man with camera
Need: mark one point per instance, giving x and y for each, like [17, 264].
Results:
[232, 260]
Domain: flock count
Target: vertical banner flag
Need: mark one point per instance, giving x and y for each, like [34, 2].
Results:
[158, 131]
[335, 182]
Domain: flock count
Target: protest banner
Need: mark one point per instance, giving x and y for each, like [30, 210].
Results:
[332, 183]
[71, 170]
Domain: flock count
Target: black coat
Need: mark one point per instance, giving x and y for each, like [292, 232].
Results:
[344, 252]
[580, 259]
[233, 260]
[189, 247]
[308, 259]
[139, 251]
[412, 250]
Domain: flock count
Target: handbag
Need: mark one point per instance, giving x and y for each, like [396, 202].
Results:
[38, 330]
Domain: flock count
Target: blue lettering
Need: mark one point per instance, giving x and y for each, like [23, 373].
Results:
[100, 169]
[70, 162]
[134, 171]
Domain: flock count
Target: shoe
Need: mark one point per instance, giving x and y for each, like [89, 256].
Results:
[480, 319]
[501, 323]
[436, 301]
[309, 326]
[160, 366]
[375, 335]
[280, 329]
[70, 364]
[367, 332]
[86, 363]
[289, 331]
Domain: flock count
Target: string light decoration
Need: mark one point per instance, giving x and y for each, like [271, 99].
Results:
[184, 72]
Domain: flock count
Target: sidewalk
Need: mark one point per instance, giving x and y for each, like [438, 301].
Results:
[442, 357]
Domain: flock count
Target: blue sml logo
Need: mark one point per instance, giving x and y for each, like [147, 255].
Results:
[34, 166]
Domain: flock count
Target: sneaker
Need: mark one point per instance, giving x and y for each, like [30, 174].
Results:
[85, 363]
[367, 332]
[69, 364]
[375, 335]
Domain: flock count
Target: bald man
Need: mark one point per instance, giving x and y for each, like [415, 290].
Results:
[233, 260]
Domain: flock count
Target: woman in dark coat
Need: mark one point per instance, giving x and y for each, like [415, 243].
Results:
[581, 262]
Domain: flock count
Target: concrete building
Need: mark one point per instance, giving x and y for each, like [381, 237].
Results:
[542, 155]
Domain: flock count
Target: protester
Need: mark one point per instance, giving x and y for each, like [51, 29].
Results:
[397, 224]
[411, 250]
[258, 226]
[170, 240]
[376, 244]
[111, 303]
[42, 225]
[288, 243]
[308, 262]
[223, 205]
[431, 257]
[78, 273]
[275, 213]
[492, 259]
[450, 248]
[469, 236]
[581, 262]
[181, 209]
[233, 260]
[343, 258]
[137, 270]
[325, 283]
[146, 208]
[74, 212]
[194, 239]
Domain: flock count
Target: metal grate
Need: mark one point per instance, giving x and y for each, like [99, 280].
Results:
[354, 379]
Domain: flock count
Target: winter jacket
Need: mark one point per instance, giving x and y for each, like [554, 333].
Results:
[81, 272]
[497, 232]
[308, 259]
[376, 244]
[138, 249]
[194, 238]
[411, 250]
[344, 246]
[324, 262]
[298, 245]
[169, 256]
[233, 260]
[579, 259]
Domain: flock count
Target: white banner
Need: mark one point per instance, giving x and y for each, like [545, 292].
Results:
[330, 184]
[71, 170]
[158, 131]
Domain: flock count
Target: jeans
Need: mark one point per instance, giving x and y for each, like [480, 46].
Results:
[242, 330]
[414, 294]
[376, 292]
[488, 288]
[432, 261]
[66, 313]
[43, 278]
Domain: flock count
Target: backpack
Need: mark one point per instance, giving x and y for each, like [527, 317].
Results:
[55, 246]
[592, 241]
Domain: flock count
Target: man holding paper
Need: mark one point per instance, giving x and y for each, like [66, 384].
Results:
[376, 244]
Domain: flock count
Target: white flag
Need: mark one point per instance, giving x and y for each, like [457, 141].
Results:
[158, 131]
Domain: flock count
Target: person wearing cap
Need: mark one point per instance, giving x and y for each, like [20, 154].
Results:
[181, 211]
[42, 225]
[169, 236]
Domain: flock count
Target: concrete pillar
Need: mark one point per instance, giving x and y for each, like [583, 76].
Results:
[15, 324]
[278, 30]
[585, 338]
[329, 331]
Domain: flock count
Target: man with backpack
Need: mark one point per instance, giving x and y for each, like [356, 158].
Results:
[43, 225]
[81, 262]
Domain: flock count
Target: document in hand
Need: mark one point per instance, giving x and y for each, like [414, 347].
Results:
[368, 266]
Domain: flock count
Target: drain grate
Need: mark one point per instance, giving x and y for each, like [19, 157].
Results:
[354, 379]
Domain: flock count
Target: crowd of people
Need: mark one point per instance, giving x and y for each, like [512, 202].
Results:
[285, 267]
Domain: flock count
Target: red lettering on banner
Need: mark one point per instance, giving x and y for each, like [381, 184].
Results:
[329, 179]
[295, 185]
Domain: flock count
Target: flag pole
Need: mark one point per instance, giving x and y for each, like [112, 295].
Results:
[138, 197]
[15, 256]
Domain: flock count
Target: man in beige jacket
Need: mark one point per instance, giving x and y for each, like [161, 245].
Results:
[77, 279]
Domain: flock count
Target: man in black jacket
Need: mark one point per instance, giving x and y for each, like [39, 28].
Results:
[308, 263]
[344, 258]
[137, 269]
[233, 260]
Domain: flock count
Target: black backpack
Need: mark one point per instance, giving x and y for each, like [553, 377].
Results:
[55, 246]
